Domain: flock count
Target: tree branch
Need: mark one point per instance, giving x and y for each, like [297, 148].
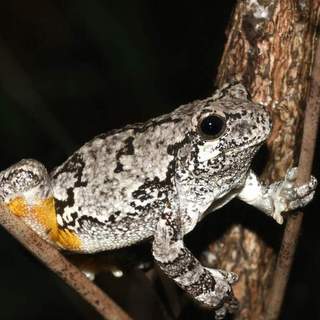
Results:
[270, 49]
[294, 221]
[58, 264]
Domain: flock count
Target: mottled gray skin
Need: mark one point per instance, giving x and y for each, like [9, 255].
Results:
[157, 180]
[113, 190]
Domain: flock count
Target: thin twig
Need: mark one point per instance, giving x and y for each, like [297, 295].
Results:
[57, 263]
[293, 224]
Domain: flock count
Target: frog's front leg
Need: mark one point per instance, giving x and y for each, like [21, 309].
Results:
[210, 287]
[278, 197]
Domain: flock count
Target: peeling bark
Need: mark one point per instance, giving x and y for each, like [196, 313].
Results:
[270, 49]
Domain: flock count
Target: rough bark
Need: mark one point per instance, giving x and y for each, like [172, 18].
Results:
[269, 49]
[293, 226]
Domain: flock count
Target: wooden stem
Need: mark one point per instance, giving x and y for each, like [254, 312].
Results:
[272, 55]
[58, 264]
[294, 221]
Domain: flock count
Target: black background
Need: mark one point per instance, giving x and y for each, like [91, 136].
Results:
[70, 70]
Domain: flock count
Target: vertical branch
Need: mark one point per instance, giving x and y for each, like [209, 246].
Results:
[291, 233]
[270, 47]
[55, 261]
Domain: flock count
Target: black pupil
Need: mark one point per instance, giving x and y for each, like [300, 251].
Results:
[212, 125]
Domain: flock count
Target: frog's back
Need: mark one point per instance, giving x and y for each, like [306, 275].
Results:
[117, 183]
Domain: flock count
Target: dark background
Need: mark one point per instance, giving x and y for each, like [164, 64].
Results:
[70, 70]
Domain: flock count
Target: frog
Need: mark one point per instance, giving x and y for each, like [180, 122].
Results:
[156, 181]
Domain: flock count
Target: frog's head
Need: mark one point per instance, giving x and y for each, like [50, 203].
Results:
[228, 128]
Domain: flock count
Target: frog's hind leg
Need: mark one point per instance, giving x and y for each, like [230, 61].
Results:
[25, 189]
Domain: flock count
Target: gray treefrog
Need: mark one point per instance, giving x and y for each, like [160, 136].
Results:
[156, 180]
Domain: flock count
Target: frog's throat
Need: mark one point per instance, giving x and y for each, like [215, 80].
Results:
[41, 217]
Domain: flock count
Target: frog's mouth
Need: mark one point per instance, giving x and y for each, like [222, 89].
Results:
[243, 148]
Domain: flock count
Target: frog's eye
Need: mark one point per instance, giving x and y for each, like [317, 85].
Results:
[212, 126]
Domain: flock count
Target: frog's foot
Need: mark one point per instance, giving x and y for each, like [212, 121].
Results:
[222, 296]
[230, 305]
[288, 197]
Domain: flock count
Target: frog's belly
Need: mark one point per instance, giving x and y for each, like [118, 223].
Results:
[98, 238]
